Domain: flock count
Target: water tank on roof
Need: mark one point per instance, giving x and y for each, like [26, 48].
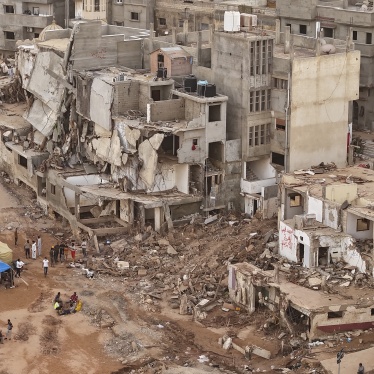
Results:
[210, 90]
[231, 21]
[201, 87]
[190, 83]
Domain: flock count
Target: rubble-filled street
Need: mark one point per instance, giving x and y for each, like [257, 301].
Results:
[157, 303]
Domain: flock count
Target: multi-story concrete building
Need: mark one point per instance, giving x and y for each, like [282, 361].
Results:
[21, 20]
[339, 19]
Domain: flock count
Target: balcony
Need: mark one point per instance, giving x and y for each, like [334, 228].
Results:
[255, 186]
[25, 20]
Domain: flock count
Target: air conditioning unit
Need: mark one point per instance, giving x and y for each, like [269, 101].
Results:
[29, 29]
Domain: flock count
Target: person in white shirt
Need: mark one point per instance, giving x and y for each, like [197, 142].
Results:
[33, 250]
[45, 266]
[39, 246]
[19, 265]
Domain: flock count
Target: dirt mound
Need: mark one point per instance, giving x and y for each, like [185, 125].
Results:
[49, 343]
[25, 329]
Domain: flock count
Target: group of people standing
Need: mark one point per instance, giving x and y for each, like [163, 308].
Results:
[36, 248]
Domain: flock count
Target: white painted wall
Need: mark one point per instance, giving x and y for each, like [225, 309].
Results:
[182, 175]
[352, 228]
[263, 169]
[81, 180]
[315, 206]
[331, 215]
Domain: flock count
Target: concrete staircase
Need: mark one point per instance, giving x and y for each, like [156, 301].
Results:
[251, 176]
[369, 149]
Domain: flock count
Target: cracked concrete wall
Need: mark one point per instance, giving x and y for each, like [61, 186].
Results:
[101, 99]
[186, 153]
[42, 84]
[25, 64]
[168, 110]
[42, 117]
[126, 97]
[354, 317]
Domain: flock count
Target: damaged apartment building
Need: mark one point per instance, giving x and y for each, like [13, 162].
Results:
[113, 146]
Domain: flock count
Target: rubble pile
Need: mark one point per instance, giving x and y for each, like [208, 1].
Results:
[11, 91]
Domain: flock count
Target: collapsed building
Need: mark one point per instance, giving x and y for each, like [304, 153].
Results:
[110, 145]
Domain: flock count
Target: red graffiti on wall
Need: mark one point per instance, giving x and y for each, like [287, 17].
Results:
[286, 235]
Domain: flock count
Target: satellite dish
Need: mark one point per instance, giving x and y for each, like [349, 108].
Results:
[329, 49]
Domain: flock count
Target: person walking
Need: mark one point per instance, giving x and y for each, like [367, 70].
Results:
[27, 249]
[33, 250]
[84, 248]
[9, 330]
[56, 251]
[52, 256]
[62, 249]
[19, 265]
[39, 246]
[45, 266]
[16, 236]
[73, 250]
[361, 369]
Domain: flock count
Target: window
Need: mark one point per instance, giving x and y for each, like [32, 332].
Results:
[289, 25]
[181, 23]
[328, 32]
[259, 100]
[302, 29]
[162, 21]
[295, 199]
[97, 6]
[334, 315]
[36, 35]
[22, 161]
[368, 38]
[354, 35]
[261, 57]
[204, 26]
[280, 84]
[134, 16]
[35, 11]
[280, 124]
[277, 158]
[372, 311]
[53, 189]
[363, 224]
[259, 135]
[214, 113]
[195, 142]
[9, 9]
[9, 35]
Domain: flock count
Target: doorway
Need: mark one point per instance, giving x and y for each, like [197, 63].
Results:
[300, 252]
[156, 95]
[323, 256]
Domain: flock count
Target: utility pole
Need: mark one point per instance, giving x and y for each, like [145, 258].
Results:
[339, 357]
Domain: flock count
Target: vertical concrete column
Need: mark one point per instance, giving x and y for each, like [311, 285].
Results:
[174, 35]
[151, 30]
[159, 218]
[277, 31]
[287, 37]
[199, 45]
[185, 31]
[77, 206]
[211, 31]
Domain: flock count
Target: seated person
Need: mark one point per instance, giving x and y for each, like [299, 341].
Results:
[57, 297]
[74, 297]
[58, 305]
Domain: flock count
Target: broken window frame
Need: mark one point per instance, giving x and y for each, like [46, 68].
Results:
[97, 5]
[9, 9]
[332, 315]
[363, 225]
[52, 189]
[22, 161]
[134, 16]
[162, 21]
[35, 10]
[9, 35]
[303, 29]
[295, 199]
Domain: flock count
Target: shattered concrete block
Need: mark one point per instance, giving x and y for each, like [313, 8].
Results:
[314, 282]
[156, 140]
[211, 219]
[171, 251]
[345, 284]
[142, 272]
[163, 242]
[123, 265]
[149, 157]
[261, 352]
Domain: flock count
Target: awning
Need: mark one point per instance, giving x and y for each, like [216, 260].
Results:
[4, 267]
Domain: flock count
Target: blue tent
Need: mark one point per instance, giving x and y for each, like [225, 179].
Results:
[4, 267]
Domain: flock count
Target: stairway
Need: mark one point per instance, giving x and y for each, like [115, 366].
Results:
[251, 176]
